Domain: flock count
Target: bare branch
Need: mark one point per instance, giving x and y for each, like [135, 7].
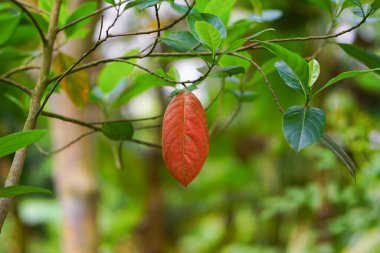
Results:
[71, 120]
[146, 143]
[34, 21]
[16, 85]
[127, 120]
[158, 31]
[19, 69]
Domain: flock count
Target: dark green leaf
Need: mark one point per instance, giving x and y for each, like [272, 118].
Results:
[375, 5]
[369, 59]
[209, 34]
[12, 191]
[142, 4]
[118, 131]
[222, 72]
[13, 142]
[340, 154]
[8, 24]
[209, 18]
[181, 41]
[295, 62]
[266, 16]
[181, 9]
[345, 75]
[288, 76]
[303, 126]
[83, 10]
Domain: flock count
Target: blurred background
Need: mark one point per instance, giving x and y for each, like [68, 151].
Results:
[255, 194]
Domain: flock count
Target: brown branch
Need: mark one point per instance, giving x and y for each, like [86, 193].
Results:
[127, 120]
[265, 79]
[16, 85]
[19, 69]
[152, 145]
[156, 30]
[34, 21]
[71, 120]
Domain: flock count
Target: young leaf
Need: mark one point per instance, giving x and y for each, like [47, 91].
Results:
[118, 131]
[13, 191]
[340, 154]
[210, 35]
[314, 70]
[240, 42]
[288, 76]
[83, 10]
[8, 24]
[13, 142]
[345, 75]
[295, 62]
[209, 18]
[76, 85]
[185, 139]
[303, 126]
[369, 59]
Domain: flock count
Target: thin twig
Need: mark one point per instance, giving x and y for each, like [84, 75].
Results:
[127, 120]
[265, 79]
[156, 30]
[152, 145]
[147, 127]
[71, 120]
[34, 8]
[19, 69]
[80, 137]
[16, 85]
[34, 21]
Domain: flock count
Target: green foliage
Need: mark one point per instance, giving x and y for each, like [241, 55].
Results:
[303, 126]
[142, 4]
[13, 142]
[77, 31]
[209, 35]
[13, 191]
[209, 18]
[118, 131]
[8, 22]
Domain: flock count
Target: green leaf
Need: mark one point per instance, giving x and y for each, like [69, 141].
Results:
[12, 191]
[375, 5]
[45, 5]
[314, 70]
[266, 16]
[8, 24]
[83, 10]
[324, 4]
[340, 154]
[13, 142]
[142, 4]
[345, 75]
[118, 131]
[295, 62]
[369, 59]
[222, 72]
[110, 1]
[215, 7]
[182, 41]
[240, 42]
[210, 35]
[245, 96]
[303, 126]
[76, 85]
[209, 18]
[113, 73]
[288, 76]
[142, 83]
[181, 9]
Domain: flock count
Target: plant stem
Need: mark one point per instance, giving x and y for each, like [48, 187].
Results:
[31, 121]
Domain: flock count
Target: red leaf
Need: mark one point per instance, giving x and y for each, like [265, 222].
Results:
[185, 137]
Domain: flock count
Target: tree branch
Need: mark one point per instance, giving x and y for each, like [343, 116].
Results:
[71, 120]
[16, 85]
[20, 69]
[34, 21]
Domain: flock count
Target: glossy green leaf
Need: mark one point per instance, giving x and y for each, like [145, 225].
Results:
[266, 16]
[369, 59]
[210, 35]
[295, 62]
[215, 7]
[118, 131]
[314, 70]
[340, 154]
[182, 41]
[83, 10]
[209, 18]
[13, 142]
[181, 9]
[346, 75]
[13, 191]
[142, 4]
[288, 76]
[303, 126]
[8, 24]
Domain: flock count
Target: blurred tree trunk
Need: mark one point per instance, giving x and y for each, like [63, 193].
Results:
[74, 176]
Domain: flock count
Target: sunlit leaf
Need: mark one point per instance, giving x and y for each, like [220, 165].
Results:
[210, 35]
[209, 18]
[288, 76]
[13, 142]
[314, 70]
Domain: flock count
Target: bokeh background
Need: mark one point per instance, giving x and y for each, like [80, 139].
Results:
[255, 194]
